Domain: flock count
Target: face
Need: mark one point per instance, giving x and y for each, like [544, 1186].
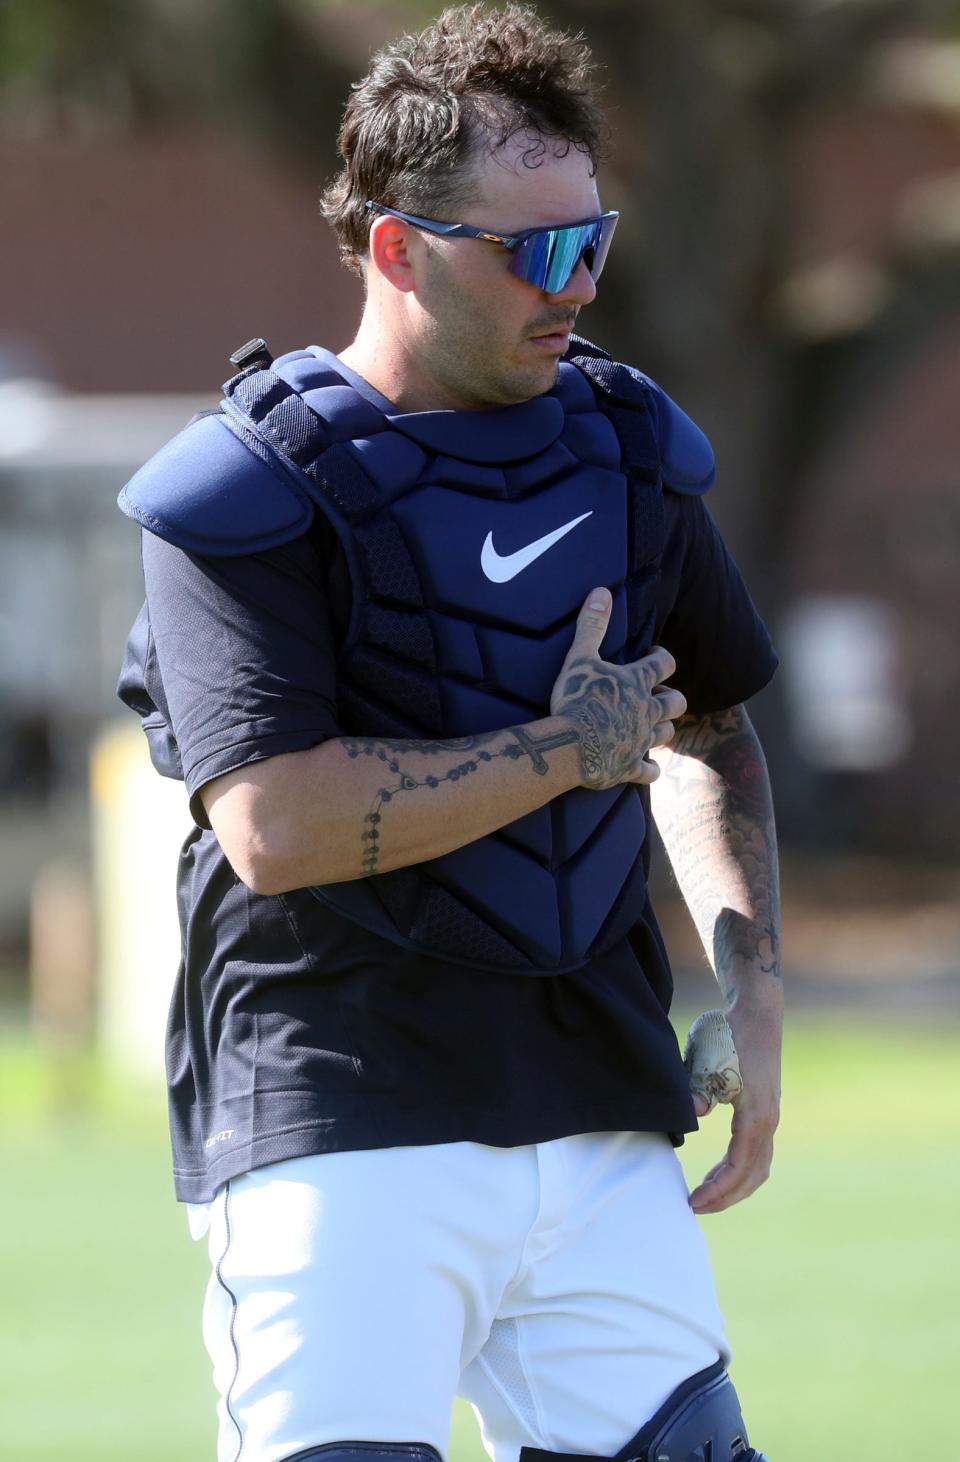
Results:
[474, 334]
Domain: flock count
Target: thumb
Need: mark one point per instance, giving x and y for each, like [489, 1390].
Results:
[592, 623]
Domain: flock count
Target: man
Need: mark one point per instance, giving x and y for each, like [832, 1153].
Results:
[411, 611]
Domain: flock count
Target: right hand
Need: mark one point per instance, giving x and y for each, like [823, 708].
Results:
[620, 711]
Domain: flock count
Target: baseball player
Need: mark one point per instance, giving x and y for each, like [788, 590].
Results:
[432, 624]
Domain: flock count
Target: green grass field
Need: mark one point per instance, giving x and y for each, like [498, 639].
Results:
[840, 1279]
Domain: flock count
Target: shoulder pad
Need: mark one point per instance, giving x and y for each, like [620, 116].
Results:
[688, 462]
[686, 455]
[212, 493]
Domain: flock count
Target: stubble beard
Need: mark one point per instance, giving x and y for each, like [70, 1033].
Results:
[471, 360]
[480, 370]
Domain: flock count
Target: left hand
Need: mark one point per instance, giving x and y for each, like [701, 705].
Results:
[756, 1111]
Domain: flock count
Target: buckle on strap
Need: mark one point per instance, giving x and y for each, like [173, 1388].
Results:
[255, 352]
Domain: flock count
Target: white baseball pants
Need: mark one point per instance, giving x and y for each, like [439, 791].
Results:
[563, 1288]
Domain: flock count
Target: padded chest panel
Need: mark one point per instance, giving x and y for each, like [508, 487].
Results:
[472, 540]
[462, 544]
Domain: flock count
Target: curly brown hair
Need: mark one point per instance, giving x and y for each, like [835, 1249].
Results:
[431, 103]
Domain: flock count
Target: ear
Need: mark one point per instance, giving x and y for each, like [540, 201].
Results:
[390, 243]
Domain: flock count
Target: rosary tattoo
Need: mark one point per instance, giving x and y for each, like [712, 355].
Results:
[521, 745]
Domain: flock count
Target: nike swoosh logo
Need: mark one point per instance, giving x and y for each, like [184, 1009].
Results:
[499, 569]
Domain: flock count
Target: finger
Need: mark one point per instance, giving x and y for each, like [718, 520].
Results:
[720, 1188]
[702, 1104]
[644, 769]
[673, 703]
[710, 1197]
[724, 1191]
[733, 1169]
[663, 733]
[657, 666]
[744, 1168]
[592, 624]
[643, 772]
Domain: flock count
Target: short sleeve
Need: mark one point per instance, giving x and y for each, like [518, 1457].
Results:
[708, 621]
[244, 648]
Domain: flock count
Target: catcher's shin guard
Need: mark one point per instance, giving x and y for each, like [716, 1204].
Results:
[699, 1422]
[368, 1452]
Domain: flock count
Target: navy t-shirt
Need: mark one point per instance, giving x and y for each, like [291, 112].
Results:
[294, 1031]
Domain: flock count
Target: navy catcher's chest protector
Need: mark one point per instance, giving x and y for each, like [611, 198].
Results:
[472, 540]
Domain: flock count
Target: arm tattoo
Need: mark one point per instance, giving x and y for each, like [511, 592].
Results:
[393, 754]
[714, 812]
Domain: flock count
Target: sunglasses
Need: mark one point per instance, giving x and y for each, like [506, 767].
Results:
[545, 257]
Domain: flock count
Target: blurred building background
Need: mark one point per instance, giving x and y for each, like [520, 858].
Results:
[786, 266]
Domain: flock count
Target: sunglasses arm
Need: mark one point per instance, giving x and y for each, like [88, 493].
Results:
[447, 230]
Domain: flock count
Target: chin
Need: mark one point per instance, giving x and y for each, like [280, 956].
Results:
[528, 382]
[544, 380]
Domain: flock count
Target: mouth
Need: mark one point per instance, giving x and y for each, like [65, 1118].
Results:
[556, 340]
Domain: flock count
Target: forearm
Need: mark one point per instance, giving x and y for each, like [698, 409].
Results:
[360, 805]
[355, 806]
[714, 811]
[713, 807]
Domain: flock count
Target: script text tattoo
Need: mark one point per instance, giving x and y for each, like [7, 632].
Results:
[720, 804]
[615, 715]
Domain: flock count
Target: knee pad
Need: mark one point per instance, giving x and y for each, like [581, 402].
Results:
[699, 1422]
[368, 1452]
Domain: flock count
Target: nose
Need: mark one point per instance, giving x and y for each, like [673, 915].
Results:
[579, 289]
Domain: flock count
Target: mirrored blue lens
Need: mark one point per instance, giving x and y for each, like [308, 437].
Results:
[549, 257]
